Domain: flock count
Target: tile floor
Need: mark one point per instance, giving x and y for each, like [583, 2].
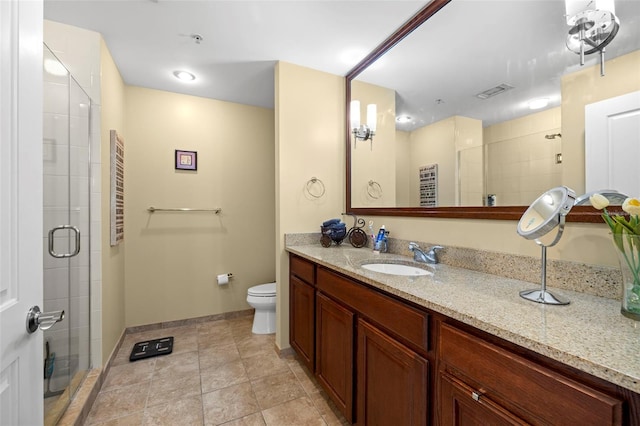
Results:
[218, 374]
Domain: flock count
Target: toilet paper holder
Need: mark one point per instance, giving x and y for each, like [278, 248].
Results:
[224, 278]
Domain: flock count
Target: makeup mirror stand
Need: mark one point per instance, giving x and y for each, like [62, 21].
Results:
[543, 215]
[542, 295]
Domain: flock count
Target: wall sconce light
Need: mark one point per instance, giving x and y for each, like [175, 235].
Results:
[593, 26]
[365, 131]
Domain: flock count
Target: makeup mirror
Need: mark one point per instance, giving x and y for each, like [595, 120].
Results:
[545, 214]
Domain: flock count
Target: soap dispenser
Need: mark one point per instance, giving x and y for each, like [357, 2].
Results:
[380, 244]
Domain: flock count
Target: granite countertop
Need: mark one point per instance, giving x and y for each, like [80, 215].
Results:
[589, 334]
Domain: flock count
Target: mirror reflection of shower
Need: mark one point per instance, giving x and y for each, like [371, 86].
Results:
[66, 200]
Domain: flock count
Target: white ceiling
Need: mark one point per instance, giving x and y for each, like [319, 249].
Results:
[471, 46]
[242, 40]
[467, 47]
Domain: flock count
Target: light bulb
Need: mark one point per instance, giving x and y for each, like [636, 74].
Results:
[355, 114]
[372, 112]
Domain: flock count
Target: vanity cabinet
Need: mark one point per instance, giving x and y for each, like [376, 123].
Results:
[334, 352]
[302, 294]
[363, 341]
[386, 361]
[461, 405]
[392, 380]
[482, 383]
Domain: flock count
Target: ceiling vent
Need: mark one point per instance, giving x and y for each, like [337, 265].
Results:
[489, 93]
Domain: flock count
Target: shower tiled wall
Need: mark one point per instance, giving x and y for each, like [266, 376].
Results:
[521, 162]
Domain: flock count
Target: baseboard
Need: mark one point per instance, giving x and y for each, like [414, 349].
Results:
[188, 321]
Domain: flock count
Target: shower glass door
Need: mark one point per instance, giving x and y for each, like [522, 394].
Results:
[66, 159]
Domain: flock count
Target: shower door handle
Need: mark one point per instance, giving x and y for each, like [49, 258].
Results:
[43, 320]
[64, 255]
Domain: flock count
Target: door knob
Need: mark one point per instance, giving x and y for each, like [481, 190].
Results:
[43, 320]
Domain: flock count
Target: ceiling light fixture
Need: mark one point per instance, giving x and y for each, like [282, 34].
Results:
[538, 103]
[184, 75]
[403, 119]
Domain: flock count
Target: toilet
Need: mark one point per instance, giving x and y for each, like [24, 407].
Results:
[263, 298]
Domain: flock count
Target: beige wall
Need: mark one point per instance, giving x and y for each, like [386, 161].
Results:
[112, 117]
[372, 161]
[434, 144]
[172, 259]
[585, 87]
[301, 92]
[403, 168]
[471, 176]
[521, 162]
[439, 143]
[310, 142]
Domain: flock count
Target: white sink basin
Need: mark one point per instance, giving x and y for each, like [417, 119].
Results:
[397, 269]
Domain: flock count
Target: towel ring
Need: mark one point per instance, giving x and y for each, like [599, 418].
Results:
[374, 189]
[311, 183]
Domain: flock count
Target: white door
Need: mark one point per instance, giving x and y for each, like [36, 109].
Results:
[612, 144]
[21, 368]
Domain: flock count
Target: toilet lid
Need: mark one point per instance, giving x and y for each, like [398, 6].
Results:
[263, 290]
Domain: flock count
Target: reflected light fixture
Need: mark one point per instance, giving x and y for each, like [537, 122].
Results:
[54, 67]
[184, 75]
[593, 26]
[363, 132]
[538, 103]
[403, 119]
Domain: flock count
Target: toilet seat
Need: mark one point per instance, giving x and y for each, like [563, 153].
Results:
[263, 290]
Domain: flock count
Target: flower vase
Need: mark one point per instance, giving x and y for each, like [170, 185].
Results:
[628, 250]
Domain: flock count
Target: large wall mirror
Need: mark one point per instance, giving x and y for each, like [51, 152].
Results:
[480, 106]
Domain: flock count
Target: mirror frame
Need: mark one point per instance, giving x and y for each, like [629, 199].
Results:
[578, 213]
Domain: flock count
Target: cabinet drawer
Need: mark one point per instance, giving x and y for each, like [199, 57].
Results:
[406, 322]
[533, 392]
[302, 269]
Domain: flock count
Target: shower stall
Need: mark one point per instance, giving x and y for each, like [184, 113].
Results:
[66, 203]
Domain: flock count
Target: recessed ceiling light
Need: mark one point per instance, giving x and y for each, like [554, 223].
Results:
[403, 119]
[184, 75]
[538, 103]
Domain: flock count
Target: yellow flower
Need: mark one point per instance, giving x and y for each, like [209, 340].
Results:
[599, 201]
[631, 206]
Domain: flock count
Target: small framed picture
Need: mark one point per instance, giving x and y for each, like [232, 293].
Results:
[186, 160]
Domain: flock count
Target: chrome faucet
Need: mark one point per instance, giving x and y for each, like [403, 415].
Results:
[420, 256]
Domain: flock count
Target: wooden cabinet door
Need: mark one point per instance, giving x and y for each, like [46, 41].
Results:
[392, 381]
[302, 320]
[334, 352]
[538, 394]
[460, 405]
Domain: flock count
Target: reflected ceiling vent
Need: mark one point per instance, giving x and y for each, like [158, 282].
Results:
[494, 91]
